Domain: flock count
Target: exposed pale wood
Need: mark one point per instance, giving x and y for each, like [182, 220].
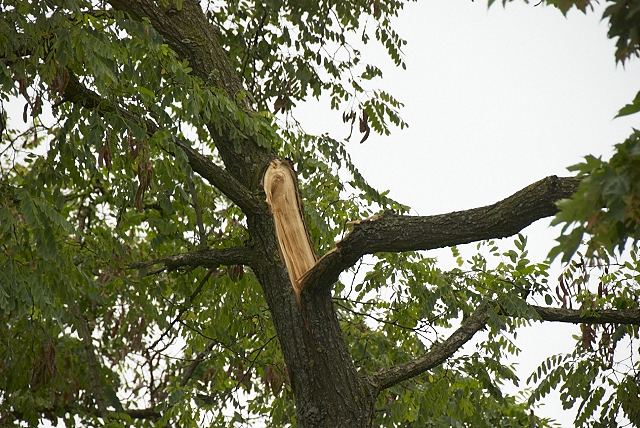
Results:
[296, 249]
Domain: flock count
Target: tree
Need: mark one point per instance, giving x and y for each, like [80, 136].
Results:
[152, 268]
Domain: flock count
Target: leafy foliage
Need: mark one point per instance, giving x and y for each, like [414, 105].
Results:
[423, 301]
[90, 341]
[311, 56]
[595, 374]
[606, 206]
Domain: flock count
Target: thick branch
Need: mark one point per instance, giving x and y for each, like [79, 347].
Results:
[210, 258]
[438, 354]
[442, 351]
[601, 316]
[77, 93]
[191, 35]
[391, 232]
[219, 178]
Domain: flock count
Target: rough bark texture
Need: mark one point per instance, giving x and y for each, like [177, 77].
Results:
[391, 232]
[577, 316]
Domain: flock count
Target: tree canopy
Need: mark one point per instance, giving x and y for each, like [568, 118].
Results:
[145, 279]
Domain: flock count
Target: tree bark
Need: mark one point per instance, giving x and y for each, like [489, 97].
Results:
[394, 233]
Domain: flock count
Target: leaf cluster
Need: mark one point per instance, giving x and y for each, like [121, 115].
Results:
[600, 375]
[405, 304]
[292, 50]
[606, 207]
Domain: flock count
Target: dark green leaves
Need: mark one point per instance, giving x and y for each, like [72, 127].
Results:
[624, 22]
[632, 108]
[606, 206]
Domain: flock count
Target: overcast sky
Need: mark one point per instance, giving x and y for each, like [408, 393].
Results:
[496, 99]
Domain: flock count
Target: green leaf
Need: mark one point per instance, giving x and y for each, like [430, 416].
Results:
[632, 108]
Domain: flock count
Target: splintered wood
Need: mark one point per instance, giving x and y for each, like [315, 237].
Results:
[281, 187]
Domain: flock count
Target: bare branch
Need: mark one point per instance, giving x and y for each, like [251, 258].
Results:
[436, 356]
[600, 316]
[95, 382]
[391, 232]
[210, 258]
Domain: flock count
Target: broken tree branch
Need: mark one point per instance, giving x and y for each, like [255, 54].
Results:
[296, 249]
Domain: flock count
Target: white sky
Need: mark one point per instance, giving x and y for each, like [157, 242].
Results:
[496, 99]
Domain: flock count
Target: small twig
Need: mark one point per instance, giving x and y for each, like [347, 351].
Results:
[183, 310]
[194, 195]
[194, 364]
[92, 361]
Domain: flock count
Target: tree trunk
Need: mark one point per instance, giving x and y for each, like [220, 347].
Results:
[328, 390]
